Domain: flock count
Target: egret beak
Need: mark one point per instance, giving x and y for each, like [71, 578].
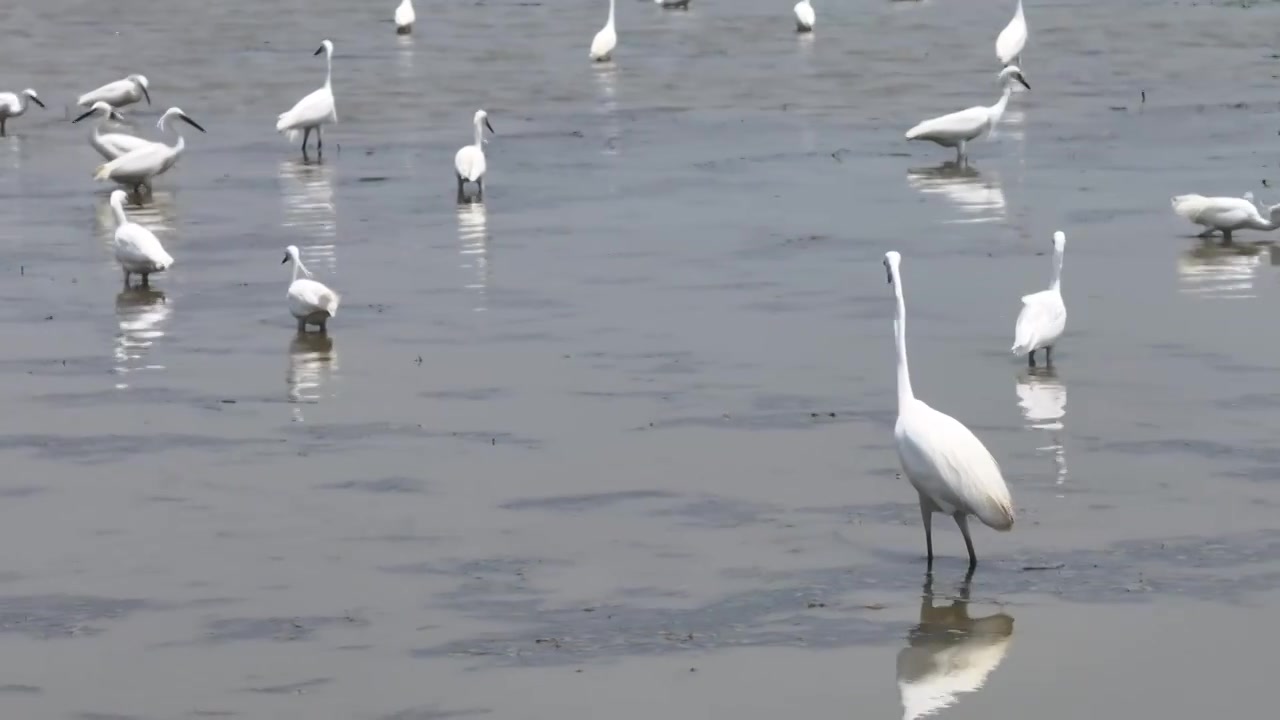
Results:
[36, 100]
[192, 123]
[145, 94]
[83, 116]
[888, 274]
[1022, 80]
[115, 115]
[486, 124]
[318, 50]
[286, 259]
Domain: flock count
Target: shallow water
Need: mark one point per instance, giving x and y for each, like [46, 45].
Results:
[617, 442]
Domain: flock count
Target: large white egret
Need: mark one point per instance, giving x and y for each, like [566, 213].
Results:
[958, 128]
[110, 145]
[949, 467]
[1044, 314]
[606, 40]
[804, 16]
[13, 104]
[469, 164]
[314, 110]
[137, 249]
[135, 169]
[1012, 39]
[405, 17]
[118, 93]
[1225, 214]
[310, 302]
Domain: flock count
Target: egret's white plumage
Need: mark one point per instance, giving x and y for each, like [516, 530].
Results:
[958, 128]
[118, 93]
[136, 168]
[949, 467]
[1013, 38]
[804, 16]
[311, 302]
[1044, 314]
[137, 250]
[606, 40]
[12, 105]
[110, 145]
[314, 110]
[1225, 214]
[405, 17]
[469, 164]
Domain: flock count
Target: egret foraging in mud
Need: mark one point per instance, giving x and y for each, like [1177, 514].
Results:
[405, 17]
[110, 145]
[12, 105]
[804, 16]
[469, 164]
[135, 169]
[137, 249]
[310, 302]
[1044, 314]
[313, 111]
[119, 93]
[958, 128]
[949, 467]
[1225, 214]
[1013, 38]
[606, 40]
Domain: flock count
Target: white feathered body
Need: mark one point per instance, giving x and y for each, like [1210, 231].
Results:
[11, 105]
[140, 165]
[949, 465]
[405, 17]
[311, 111]
[950, 130]
[1220, 213]
[1013, 38]
[111, 145]
[603, 43]
[469, 163]
[139, 251]
[116, 94]
[1040, 323]
[804, 15]
[312, 300]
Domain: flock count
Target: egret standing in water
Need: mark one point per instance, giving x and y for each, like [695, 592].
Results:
[1012, 39]
[110, 145]
[310, 302]
[405, 17]
[12, 105]
[136, 168]
[804, 16]
[314, 110]
[1044, 314]
[1225, 214]
[958, 128]
[119, 93]
[137, 249]
[606, 40]
[949, 467]
[468, 164]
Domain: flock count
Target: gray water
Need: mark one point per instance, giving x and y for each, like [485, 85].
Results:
[617, 443]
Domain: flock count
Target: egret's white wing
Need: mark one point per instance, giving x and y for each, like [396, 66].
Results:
[146, 160]
[117, 144]
[469, 162]
[604, 42]
[1043, 317]
[804, 14]
[313, 296]
[950, 465]
[310, 111]
[137, 245]
[404, 14]
[1012, 39]
[964, 124]
[1227, 212]
[110, 93]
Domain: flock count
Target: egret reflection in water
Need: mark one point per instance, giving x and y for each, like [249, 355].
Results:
[312, 364]
[1042, 397]
[948, 653]
[606, 78]
[980, 199]
[473, 241]
[1221, 272]
[141, 314]
[306, 193]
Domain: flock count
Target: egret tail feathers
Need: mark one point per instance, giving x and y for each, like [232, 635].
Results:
[101, 173]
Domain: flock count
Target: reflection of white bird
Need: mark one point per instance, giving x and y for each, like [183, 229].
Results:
[137, 167]
[958, 128]
[119, 93]
[137, 249]
[405, 17]
[804, 16]
[949, 653]
[1044, 314]
[311, 359]
[945, 462]
[310, 301]
[110, 145]
[474, 235]
[606, 40]
[1220, 273]
[469, 164]
[1225, 214]
[1043, 399]
[12, 105]
[141, 313]
[1013, 38]
[980, 200]
[314, 110]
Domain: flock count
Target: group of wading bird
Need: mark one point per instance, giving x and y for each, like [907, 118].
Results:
[950, 468]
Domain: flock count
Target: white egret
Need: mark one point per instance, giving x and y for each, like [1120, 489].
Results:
[12, 105]
[1225, 214]
[136, 168]
[468, 164]
[1013, 38]
[606, 40]
[113, 144]
[119, 93]
[804, 16]
[314, 110]
[137, 248]
[958, 128]
[945, 462]
[405, 17]
[1044, 315]
[310, 301]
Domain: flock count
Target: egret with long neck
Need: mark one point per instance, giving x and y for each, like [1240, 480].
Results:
[1044, 314]
[958, 128]
[606, 40]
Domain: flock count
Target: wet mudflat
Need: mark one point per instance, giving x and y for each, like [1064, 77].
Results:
[617, 442]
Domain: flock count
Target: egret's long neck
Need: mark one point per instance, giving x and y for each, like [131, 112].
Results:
[480, 133]
[1057, 270]
[117, 209]
[610, 22]
[900, 337]
[23, 104]
[297, 267]
[328, 75]
[997, 110]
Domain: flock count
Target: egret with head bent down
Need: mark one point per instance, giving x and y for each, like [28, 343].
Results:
[137, 249]
[119, 93]
[310, 302]
[12, 105]
[804, 16]
[110, 145]
[469, 164]
[949, 467]
[314, 110]
[958, 128]
[1044, 314]
[1225, 214]
[136, 168]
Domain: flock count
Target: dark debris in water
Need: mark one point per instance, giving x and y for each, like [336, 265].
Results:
[279, 629]
[297, 688]
[54, 616]
[431, 712]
